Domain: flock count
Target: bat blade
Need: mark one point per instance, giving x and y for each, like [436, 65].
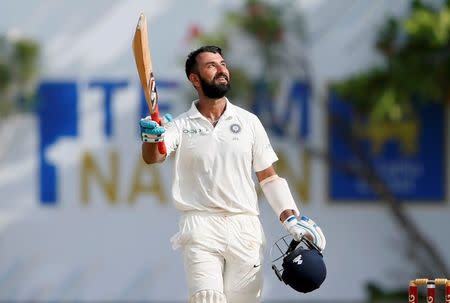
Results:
[143, 59]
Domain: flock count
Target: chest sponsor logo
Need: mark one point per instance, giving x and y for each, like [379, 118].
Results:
[195, 131]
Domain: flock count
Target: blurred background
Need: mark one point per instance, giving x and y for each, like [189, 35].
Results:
[353, 93]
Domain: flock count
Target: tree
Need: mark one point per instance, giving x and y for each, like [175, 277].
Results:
[416, 54]
[416, 69]
[19, 60]
[18, 74]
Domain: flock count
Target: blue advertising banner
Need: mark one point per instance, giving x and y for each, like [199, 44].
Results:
[59, 115]
[408, 155]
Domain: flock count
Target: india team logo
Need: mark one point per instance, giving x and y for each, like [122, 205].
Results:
[235, 128]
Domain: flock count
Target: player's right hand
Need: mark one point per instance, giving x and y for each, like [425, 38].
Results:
[305, 227]
[151, 131]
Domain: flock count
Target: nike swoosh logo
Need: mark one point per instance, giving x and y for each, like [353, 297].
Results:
[255, 266]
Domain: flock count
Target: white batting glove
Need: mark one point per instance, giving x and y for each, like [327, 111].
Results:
[151, 131]
[305, 227]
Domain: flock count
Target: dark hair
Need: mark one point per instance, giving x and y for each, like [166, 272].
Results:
[191, 61]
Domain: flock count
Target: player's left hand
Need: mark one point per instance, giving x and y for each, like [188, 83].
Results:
[151, 131]
[305, 227]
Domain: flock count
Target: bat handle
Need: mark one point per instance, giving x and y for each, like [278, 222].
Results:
[161, 145]
[162, 148]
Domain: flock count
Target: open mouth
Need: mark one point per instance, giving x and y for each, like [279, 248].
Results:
[222, 79]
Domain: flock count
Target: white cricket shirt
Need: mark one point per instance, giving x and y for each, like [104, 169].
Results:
[214, 165]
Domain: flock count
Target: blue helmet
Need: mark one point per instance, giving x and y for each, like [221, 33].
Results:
[303, 267]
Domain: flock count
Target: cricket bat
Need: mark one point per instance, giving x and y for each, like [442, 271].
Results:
[143, 58]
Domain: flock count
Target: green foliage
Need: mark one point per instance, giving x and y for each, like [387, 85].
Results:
[24, 57]
[220, 39]
[261, 21]
[18, 74]
[417, 65]
[379, 294]
[5, 76]
[262, 25]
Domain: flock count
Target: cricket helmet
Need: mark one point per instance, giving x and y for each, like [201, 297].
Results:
[302, 264]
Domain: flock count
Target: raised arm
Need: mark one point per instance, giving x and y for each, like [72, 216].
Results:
[150, 153]
[153, 134]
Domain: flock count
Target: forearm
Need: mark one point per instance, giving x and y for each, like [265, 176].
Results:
[280, 199]
[150, 153]
[277, 193]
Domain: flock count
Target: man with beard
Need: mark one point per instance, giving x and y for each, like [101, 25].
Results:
[217, 146]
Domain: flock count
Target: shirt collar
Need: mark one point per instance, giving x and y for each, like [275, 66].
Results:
[193, 112]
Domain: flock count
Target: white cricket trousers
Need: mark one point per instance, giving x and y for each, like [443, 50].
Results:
[222, 253]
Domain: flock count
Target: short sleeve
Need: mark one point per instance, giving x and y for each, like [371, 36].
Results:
[263, 153]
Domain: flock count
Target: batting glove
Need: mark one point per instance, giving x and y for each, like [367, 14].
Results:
[305, 227]
[151, 131]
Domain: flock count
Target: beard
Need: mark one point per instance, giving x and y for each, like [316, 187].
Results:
[213, 90]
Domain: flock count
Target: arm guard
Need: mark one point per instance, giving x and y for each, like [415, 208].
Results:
[277, 193]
